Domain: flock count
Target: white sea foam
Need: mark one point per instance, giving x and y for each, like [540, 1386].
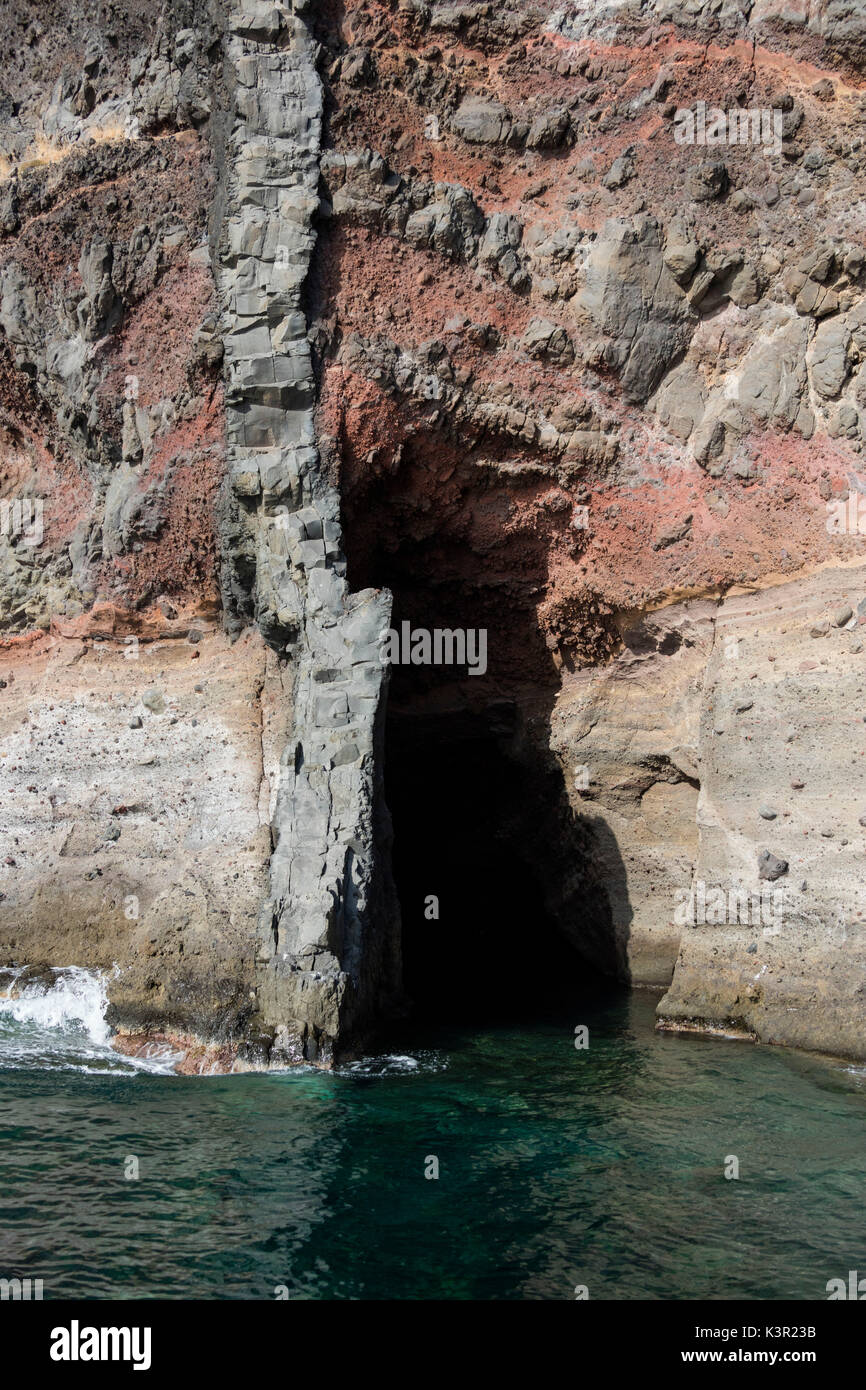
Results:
[394, 1064]
[75, 998]
[58, 1022]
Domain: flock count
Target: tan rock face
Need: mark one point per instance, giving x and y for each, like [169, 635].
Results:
[724, 735]
[135, 785]
[782, 745]
[627, 737]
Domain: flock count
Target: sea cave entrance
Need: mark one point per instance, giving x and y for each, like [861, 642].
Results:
[481, 874]
[505, 912]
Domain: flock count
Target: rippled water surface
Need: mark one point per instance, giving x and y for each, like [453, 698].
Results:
[556, 1167]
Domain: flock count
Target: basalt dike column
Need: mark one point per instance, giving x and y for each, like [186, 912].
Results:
[328, 935]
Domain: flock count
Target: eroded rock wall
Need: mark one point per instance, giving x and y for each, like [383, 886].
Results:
[137, 739]
[328, 936]
[610, 405]
[159, 212]
[306, 307]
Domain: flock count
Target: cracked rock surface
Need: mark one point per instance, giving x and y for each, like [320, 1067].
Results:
[318, 319]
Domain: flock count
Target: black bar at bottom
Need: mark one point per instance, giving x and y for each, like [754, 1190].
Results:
[239, 1338]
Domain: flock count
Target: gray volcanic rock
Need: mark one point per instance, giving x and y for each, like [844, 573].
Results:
[481, 123]
[328, 937]
[631, 297]
[310, 318]
[769, 865]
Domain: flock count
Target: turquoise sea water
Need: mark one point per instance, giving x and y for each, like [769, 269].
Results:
[557, 1167]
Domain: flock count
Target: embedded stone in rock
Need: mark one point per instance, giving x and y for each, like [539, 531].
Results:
[550, 129]
[677, 531]
[622, 169]
[770, 866]
[544, 339]
[481, 122]
[706, 180]
[744, 289]
[153, 700]
[681, 257]
[630, 297]
[828, 359]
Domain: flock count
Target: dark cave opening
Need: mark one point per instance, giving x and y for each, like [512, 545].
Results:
[522, 925]
[479, 940]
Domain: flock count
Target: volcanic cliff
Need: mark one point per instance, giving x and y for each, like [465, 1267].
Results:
[318, 318]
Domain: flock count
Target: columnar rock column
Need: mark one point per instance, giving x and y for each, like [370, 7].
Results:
[328, 948]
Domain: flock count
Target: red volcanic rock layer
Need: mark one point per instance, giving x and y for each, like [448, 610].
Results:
[660, 522]
[577, 381]
[68, 431]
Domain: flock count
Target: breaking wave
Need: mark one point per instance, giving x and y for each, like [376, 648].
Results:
[56, 1021]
